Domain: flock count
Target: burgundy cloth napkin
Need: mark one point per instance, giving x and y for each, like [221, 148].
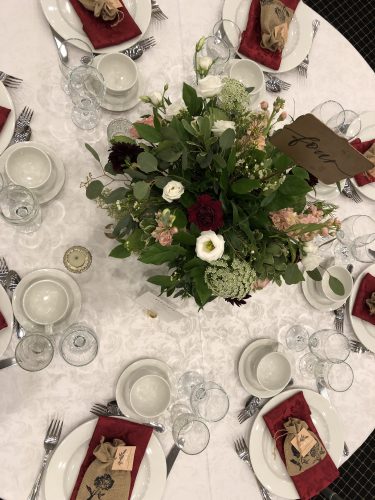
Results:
[4, 112]
[362, 147]
[311, 481]
[111, 428]
[365, 289]
[101, 33]
[3, 323]
[251, 37]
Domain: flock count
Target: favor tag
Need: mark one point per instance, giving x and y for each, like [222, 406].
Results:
[124, 458]
[303, 442]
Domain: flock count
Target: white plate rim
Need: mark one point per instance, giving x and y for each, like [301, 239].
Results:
[286, 488]
[8, 129]
[361, 332]
[7, 312]
[46, 273]
[331, 306]
[84, 431]
[304, 17]
[43, 195]
[51, 12]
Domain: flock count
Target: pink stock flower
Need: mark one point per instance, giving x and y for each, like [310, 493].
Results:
[165, 238]
[259, 284]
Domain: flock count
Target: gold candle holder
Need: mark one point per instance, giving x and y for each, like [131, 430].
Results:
[77, 259]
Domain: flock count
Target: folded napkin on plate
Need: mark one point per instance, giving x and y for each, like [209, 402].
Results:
[106, 33]
[367, 148]
[360, 307]
[116, 428]
[3, 323]
[311, 481]
[4, 112]
[252, 37]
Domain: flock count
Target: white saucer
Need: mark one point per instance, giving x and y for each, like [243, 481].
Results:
[327, 192]
[7, 312]
[253, 386]
[122, 103]
[123, 390]
[315, 299]
[63, 279]
[55, 183]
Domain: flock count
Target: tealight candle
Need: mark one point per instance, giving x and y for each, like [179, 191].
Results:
[77, 259]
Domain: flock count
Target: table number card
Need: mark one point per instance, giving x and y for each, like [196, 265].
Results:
[319, 150]
[156, 307]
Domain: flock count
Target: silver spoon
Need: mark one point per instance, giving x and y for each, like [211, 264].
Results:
[273, 86]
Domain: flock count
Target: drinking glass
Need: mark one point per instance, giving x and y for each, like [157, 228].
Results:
[352, 229]
[329, 345]
[20, 208]
[297, 338]
[119, 126]
[79, 345]
[189, 432]
[346, 124]
[307, 365]
[328, 110]
[34, 352]
[230, 33]
[363, 248]
[87, 91]
[336, 376]
[219, 52]
[73, 52]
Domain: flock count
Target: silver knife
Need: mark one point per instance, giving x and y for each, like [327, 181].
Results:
[323, 392]
[59, 40]
[7, 362]
[171, 457]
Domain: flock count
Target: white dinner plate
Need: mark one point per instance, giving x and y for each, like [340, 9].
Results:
[123, 388]
[64, 20]
[367, 133]
[271, 471]
[364, 330]
[367, 120]
[65, 463]
[7, 311]
[299, 35]
[73, 294]
[54, 184]
[316, 299]
[8, 129]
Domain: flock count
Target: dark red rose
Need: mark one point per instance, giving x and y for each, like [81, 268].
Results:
[206, 213]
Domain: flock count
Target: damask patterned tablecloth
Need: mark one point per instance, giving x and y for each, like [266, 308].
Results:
[210, 341]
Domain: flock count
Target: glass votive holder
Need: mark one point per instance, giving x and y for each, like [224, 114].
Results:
[79, 345]
[20, 208]
[34, 352]
[118, 127]
[77, 259]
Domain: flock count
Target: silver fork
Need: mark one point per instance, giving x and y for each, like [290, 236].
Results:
[156, 11]
[357, 346]
[136, 50]
[252, 404]
[24, 118]
[350, 191]
[339, 318]
[284, 85]
[243, 452]
[50, 442]
[9, 80]
[303, 67]
[4, 270]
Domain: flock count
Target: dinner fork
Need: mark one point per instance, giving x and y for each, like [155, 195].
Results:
[24, 118]
[350, 191]
[283, 84]
[50, 442]
[339, 318]
[4, 270]
[357, 346]
[303, 67]
[21, 135]
[243, 452]
[251, 407]
[9, 80]
[156, 11]
[136, 50]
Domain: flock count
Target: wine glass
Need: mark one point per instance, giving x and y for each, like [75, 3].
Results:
[328, 110]
[353, 229]
[297, 338]
[230, 33]
[329, 345]
[336, 376]
[218, 50]
[346, 123]
[73, 52]
[87, 89]
[20, 208]
[189, 432]
[363, 248]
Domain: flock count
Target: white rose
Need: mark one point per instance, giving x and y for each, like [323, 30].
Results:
[204, 63]
[311, 261]
[173, 191]
[173, 109]
[156, 98]
[209, 246]
[209, 86]
[221, 126]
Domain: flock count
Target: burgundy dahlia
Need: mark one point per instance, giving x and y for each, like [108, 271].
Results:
[206, 213]
[122, 152]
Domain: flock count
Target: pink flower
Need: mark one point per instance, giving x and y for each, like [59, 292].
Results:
[259, 284]
[146, 121]
[165, 238]
[261, 142]
[264, 105]
[324, 231]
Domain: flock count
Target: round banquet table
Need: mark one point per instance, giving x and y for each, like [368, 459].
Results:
[210, 341]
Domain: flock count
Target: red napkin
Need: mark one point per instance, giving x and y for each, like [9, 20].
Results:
[4, 112]
[362, 147]
[131, 433]
[251, 37]
[310, 482]
[360, 308]
[3, 323]
[100, 32]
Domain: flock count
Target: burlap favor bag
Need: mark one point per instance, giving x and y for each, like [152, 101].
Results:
[275, 18]
[108, 10]
[100, 481]
[297, 462]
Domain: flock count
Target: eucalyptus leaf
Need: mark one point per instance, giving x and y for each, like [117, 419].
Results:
[94, 189]
[292, 274]
[315, 274]
[141, 190]
[336, 286]
[244, 186]
[147, 162]
[116, 194]
[147, 132]
[92, 151]
[227, 138]
[120, 252]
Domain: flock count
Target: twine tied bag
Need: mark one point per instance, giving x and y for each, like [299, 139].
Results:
[108, 10]
[100, 481]
[275, 18]
[296, 460]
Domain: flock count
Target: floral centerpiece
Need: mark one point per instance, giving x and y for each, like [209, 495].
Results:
[201, 189]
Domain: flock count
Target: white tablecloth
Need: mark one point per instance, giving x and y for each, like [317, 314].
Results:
[210, 341]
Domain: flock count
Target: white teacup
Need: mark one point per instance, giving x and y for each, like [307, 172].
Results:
[274, 371]
[28, 166]
[120, 73]
[343, 275]
[45, 302]
[149, 392]
[249, 73]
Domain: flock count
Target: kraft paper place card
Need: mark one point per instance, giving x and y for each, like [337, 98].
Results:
[157, 307]
[319, 150]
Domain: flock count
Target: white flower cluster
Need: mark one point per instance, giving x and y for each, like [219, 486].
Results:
[230, 280]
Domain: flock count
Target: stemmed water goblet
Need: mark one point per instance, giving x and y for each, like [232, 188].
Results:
[297, 338]
[217, 50]
[189, 432]
[355, 239]
[76, 53]
[229, 32]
